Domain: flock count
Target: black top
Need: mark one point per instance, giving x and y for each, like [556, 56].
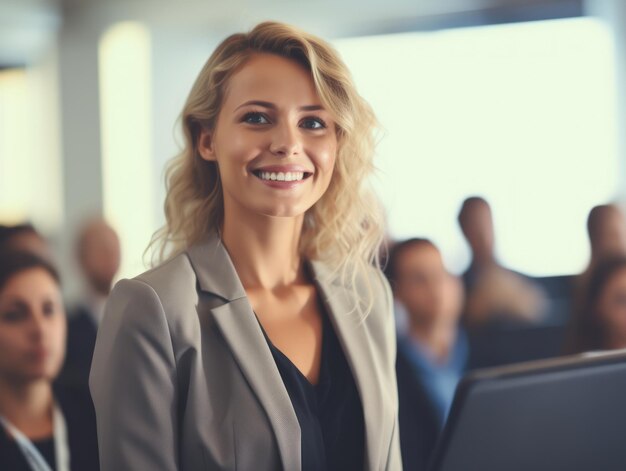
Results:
[81, 340]
[11, 458]
[81, 434]
[46, 448]
[330, 413]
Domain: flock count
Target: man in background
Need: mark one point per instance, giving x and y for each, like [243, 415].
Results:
[494, 293]
[98, 256]
[606, 227]
[432, 352]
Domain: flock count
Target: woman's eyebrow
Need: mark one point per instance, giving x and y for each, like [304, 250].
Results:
[272, 106]
[264, 104]
[14, 302]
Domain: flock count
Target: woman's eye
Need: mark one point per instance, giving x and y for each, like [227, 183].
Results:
[49, 309]
[13, 316]
[313, 123]
[255, 118]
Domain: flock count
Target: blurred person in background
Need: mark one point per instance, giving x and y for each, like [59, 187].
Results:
[42, 426]
[606, 228]
[600, 324]
[494, 294]
[24, 237]
[99, 257]
[432, 352]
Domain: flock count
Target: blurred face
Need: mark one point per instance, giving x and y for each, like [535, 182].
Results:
[274, 143]
[478, 229]
[612, 306]
[612, 236]
[32, 327]
[100, 256]
[424, 287]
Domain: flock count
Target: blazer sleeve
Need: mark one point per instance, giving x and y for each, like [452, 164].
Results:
[132, 383]
[394, 459]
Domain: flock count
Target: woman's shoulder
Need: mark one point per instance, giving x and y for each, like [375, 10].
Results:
[169, 281]
[170, 276]
[168, 290]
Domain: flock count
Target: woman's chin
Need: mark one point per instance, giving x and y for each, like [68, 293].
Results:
[284, 211]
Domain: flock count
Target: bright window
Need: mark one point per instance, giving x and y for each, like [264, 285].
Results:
[30, 163]
[521, 114]
[125, 100]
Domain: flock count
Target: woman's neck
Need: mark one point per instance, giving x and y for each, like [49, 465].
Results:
[264, 250]
[28, 406]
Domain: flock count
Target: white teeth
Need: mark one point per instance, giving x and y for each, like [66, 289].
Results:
[282, 176]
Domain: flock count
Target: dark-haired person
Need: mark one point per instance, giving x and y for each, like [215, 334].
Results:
[42, 427]
[98, 255]
[24, 238]
[600, 323]
[433, 352]
[606, 229]
[494, 294]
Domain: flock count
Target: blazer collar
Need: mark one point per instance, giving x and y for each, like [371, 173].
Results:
[214, 269]
[242, 332]
[237, 321]
[339, 301]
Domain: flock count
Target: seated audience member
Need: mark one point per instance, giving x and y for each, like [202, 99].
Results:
[494, 293]
[432, 353]
[606, 228]
[24, 237]
[98, 254]
[41, 426]
[601, 323]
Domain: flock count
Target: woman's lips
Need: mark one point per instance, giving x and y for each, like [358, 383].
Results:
[38, 354]
[282, 176]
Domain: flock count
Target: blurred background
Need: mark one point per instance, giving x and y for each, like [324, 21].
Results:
[518, 101]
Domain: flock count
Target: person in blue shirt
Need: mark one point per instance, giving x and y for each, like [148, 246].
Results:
[432, 351]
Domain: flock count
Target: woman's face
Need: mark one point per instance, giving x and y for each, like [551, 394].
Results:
[612, 307]
[274, 143]
[32, 327]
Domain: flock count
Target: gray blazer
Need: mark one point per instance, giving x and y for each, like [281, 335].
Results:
[183, 379]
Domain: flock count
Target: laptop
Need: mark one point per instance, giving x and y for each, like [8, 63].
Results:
[564, 414]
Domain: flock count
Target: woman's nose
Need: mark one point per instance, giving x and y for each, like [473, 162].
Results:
[37, 326]
[285, 141]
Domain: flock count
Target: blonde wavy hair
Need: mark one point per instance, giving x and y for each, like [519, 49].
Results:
[345, 227]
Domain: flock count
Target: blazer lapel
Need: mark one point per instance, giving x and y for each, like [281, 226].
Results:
[241, 330]
[339, 302]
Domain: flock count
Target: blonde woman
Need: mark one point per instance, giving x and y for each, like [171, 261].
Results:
[265, 340]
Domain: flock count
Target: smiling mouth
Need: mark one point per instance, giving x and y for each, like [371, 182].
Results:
[282, 176]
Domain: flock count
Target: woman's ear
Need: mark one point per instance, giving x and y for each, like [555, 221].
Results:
[205, 145]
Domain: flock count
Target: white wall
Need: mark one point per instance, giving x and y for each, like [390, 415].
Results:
[522, 114]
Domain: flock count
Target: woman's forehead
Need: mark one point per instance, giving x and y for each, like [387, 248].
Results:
[274, 79]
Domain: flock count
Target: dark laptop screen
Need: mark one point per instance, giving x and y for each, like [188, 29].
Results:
[566, 414]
